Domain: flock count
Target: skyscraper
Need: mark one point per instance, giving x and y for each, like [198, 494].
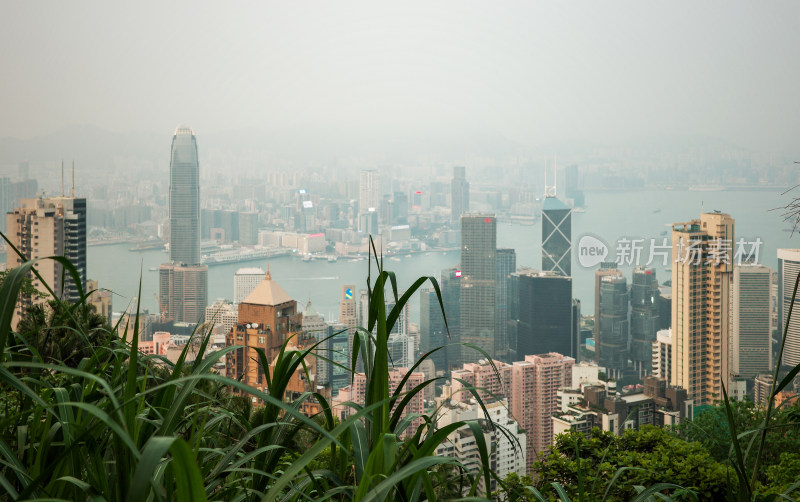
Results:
[607, 268]
[184, 198]
[506, 265]
[459, 194]
[182, 292]
[432, 331]
[534, 383]
[788, 270]
[450, 286]
[46, 227]
[751, 336]
[644, 318]
[612, 346]
[478, 274]
[245, 281]
[702, 270]
[556, 236]
[183, 283]
[545, 313]
[369, 199]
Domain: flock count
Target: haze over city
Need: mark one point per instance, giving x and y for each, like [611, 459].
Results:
[597, 199]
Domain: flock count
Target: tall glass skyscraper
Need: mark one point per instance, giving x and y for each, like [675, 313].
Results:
[556, 237]
[183, 283]
[545, 312]
[612, 346]
[184, 198]
[644, 318]
[478, 276]
[506, 265]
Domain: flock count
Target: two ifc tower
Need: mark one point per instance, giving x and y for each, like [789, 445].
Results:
[183, 282]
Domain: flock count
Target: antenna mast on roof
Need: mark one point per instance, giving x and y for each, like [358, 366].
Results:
[73, 179]
[62, 177]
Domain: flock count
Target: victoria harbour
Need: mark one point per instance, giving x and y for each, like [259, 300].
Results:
[610, 215]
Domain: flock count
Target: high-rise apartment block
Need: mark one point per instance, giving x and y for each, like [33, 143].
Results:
[357, 393]
[52, 226]
[222, 313]
[245, 281]
[478, 290]
[556, 237]
[788, 270]
[751, 334]
[662, 355]
[534, 384]
[530, 387]
[506, 447]
[459, 194]
[702, 255]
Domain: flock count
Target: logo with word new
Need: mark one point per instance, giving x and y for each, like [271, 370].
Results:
[591, 251]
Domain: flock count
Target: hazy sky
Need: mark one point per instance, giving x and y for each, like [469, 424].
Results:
[598, 71]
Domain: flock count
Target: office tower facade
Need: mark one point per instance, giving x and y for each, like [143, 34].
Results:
[266, 318]
[644, 322]
[545, 322]
[402, 350]
[184, 198]
[478, 272]
[182, 292]
[245, 281]
[662, 355]
[788, 270]
[612, 346]
[607, 268]
[572, 188]
[534, 384]
[315, 328]
[183, 283]
[432, 330]
[369, 200]
[400, 208]
[459, 194]
[751, 334]
[450, 286]
[556, 237]
[506, 265]
[248, 228]
[701, 316]
[339, 345]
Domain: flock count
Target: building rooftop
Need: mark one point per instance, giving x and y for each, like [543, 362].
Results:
[268, 292]
[250, 271]
[553, 203]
